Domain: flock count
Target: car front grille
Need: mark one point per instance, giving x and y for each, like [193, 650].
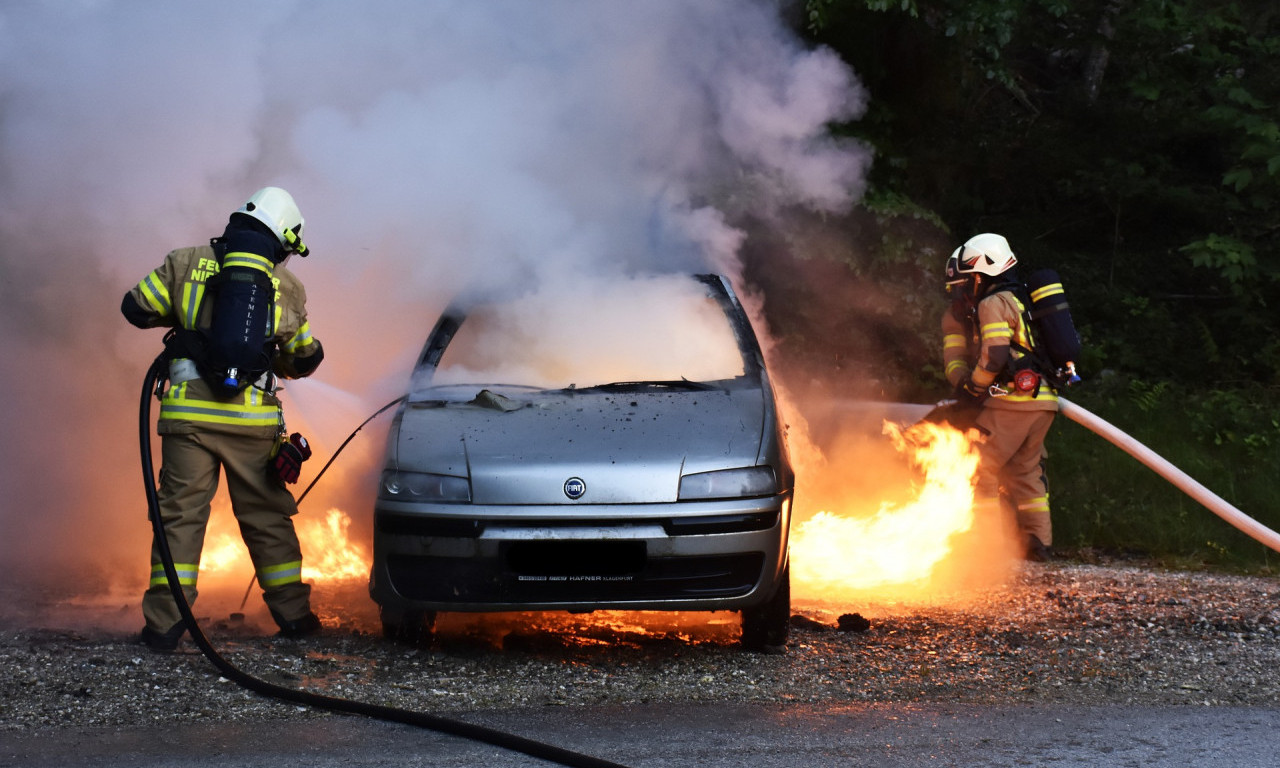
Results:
[589, 572]
[452, 527]
[436, 527]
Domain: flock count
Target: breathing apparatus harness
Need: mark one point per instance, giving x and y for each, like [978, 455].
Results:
[229, 345]
[1054, 345]
[153, 383]
[235, 351]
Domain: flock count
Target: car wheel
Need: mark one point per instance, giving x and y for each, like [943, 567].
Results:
[765, 626]
[409, 627]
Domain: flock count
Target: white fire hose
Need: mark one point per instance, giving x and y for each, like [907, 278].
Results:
[1255, 530]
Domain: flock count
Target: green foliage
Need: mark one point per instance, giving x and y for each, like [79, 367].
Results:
[1135, 148]
[1148, 397]
[1233, 259]
[1226, 440]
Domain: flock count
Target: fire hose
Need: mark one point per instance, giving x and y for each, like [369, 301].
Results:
[1216, 504]
[429, 721]
[1161, 466]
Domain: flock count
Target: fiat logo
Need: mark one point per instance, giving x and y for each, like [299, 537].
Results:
[574, 487]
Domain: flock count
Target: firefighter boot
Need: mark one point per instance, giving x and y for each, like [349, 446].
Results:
[163, 642]
[308, 624]
[1036, 551]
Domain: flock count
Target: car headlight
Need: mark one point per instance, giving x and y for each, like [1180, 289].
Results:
[398, 485]
[729, 484]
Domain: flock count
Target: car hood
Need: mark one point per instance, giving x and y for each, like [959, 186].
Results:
[626, 447]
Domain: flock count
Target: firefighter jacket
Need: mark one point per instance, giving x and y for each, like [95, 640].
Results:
[170, 296]
[977, 346]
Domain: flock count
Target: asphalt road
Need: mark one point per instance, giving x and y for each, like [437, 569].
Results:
[732, 736]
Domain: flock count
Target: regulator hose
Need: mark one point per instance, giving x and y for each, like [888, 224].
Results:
[325, 468]
[437, 723]
[254, 578]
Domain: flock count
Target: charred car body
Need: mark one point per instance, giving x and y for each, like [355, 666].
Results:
[594, 449]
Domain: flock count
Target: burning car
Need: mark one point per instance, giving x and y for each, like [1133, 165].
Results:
[606, 446]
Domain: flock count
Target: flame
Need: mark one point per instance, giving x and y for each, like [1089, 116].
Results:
[329, 555]
[901, 543]
[223, 552]
[328, 552]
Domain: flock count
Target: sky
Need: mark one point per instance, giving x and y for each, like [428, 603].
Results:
[432, 147]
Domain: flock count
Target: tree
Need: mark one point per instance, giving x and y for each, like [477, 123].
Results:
[1134, 144]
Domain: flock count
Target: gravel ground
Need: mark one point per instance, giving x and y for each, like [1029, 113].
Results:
[1061, 632]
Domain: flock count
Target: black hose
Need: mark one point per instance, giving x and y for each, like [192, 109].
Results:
[422, 719]
[323, 469]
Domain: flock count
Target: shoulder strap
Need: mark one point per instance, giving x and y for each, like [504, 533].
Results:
[1035, 354]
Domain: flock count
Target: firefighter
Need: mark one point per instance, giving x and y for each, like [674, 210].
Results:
[204, 430]
[986, 350]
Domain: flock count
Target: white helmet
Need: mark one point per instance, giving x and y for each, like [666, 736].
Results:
[953, 268]
[988, 254]
[275, 208]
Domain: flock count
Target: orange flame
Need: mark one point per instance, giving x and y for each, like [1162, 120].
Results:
[329, 555]
[223, 552]
[901, 543]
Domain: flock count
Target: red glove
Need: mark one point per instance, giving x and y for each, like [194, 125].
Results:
[288, 461]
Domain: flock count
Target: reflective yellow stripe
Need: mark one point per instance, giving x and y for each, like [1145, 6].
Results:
[954, 341]
[156, 294]
[956, 365]
[285, 573]
[1024, 333]
[251, 411]
[192, 294]
[1047, 395]
[1043, 292]
[249, 260]
[1038, 504]
[986, 505]
[187, 573]
[220, 413]
[299, 340]
[1000, 330]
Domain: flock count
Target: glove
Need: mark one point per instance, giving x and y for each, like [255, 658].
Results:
[969, 395]
[288, 461]
[954, 415]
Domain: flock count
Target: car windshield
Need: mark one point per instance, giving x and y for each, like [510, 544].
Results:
[668, 330]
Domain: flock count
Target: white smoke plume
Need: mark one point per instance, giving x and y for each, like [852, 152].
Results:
[430, 145]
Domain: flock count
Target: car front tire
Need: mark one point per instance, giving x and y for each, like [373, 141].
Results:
[408, 627]
[765, 627]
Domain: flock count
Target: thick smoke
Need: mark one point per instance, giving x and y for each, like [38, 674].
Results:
[432, 147]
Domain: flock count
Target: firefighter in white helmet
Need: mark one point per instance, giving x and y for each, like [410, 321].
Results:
[220, 413]
[986, 340]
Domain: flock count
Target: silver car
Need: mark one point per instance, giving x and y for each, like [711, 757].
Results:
[606, 445]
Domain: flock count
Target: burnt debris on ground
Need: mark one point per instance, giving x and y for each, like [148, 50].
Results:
[1065, 633]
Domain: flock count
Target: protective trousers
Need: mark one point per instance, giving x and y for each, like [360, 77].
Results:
[1011, 458]
[263, 507]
